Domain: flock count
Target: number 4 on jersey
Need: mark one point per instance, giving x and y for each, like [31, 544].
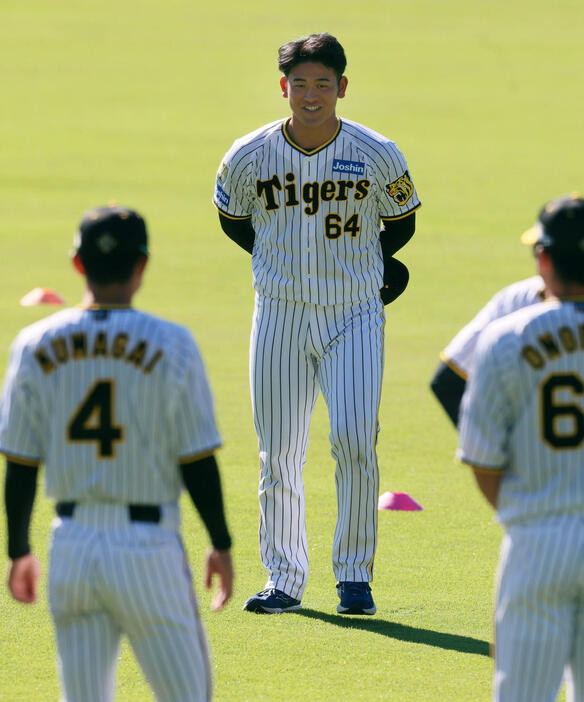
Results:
[94, 420]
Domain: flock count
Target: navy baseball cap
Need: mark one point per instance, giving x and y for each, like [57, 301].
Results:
[110, 231]
[560, 227]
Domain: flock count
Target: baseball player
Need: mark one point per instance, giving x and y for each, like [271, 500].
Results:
[522, 431]
[322, 204]
[456, 360]
[116, 404]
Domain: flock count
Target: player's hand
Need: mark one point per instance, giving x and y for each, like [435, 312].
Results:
[23, 578]
[219, 563]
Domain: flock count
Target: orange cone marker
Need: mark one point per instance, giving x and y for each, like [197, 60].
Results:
[41, 296]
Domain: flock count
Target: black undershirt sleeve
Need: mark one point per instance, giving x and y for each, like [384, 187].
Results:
[448, 387]
[393, 236]
[202, 481]
[238, 230]
[396, 233]
[19, 494]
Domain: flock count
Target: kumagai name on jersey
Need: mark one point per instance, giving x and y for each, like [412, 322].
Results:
[82, 345]
[83, 390]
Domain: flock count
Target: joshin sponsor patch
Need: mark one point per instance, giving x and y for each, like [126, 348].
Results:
[352, 167]
[221, 196]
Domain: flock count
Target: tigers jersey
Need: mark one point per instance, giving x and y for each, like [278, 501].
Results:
[460, 351]
[84, 388]
[523, 411]
[316, 214]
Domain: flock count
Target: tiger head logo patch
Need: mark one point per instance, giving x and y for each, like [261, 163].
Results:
[222, 172]
[401, 190]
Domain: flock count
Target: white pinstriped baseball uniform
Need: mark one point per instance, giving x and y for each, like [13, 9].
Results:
[523, 413]
[460, 351]
[318, 323]
[111, 400]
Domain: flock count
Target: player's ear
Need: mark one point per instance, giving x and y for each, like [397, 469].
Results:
[138, 273]
[343, 86]
[141, 264]
[77, 264]
[284, 86]
[544, 262]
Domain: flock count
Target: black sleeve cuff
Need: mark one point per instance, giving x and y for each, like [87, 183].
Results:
[19, 495]
[202, 481]
[238, 230]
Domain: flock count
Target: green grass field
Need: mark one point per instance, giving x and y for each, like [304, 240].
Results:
[138, 101]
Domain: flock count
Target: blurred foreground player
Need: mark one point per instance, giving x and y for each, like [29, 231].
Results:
[457, 359]
[522, 431]
[116, 404]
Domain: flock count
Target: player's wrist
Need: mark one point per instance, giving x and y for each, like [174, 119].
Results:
[17, 552]
[221, 542]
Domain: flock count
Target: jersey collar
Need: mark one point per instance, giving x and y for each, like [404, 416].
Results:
[100, 306]
[309, 152]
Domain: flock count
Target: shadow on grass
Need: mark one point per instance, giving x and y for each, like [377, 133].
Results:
[402, 632]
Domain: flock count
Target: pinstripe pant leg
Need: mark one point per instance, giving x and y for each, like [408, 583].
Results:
[87, 637]
[152, 597]
[88, 647]
[283, 392]
[535, 614]
[575, 672]
[350, 374]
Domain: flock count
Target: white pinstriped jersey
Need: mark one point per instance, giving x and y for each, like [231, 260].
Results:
[83, 390]
[316, 214]
[460, 351]
[523, 411]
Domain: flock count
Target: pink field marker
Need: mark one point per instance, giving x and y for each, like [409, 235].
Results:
[398, 500]
[41, 296]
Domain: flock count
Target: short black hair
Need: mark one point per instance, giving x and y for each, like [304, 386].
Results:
[110, 241]
[560, 231]
[117, 271]
[318, 48]
[569, 269]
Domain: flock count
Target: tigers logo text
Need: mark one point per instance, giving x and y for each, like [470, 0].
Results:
[312, 193]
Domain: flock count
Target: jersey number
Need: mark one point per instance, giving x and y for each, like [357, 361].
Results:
[570, 434]
[94, 420]
[334, 227]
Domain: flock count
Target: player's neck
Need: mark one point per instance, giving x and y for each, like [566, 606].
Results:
[555, 287]
[107, 295]
[309, 137]
[570, 292]
[115, 294]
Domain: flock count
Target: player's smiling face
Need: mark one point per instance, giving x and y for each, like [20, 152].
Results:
[312, 90]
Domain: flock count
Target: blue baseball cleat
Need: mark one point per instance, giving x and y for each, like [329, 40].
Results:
[356, 598]
[271, 601]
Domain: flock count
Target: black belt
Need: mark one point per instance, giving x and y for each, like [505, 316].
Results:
[137, 513]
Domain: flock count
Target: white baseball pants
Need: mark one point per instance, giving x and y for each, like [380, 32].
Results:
[539, 618]
[297, 349]
[109, 576]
